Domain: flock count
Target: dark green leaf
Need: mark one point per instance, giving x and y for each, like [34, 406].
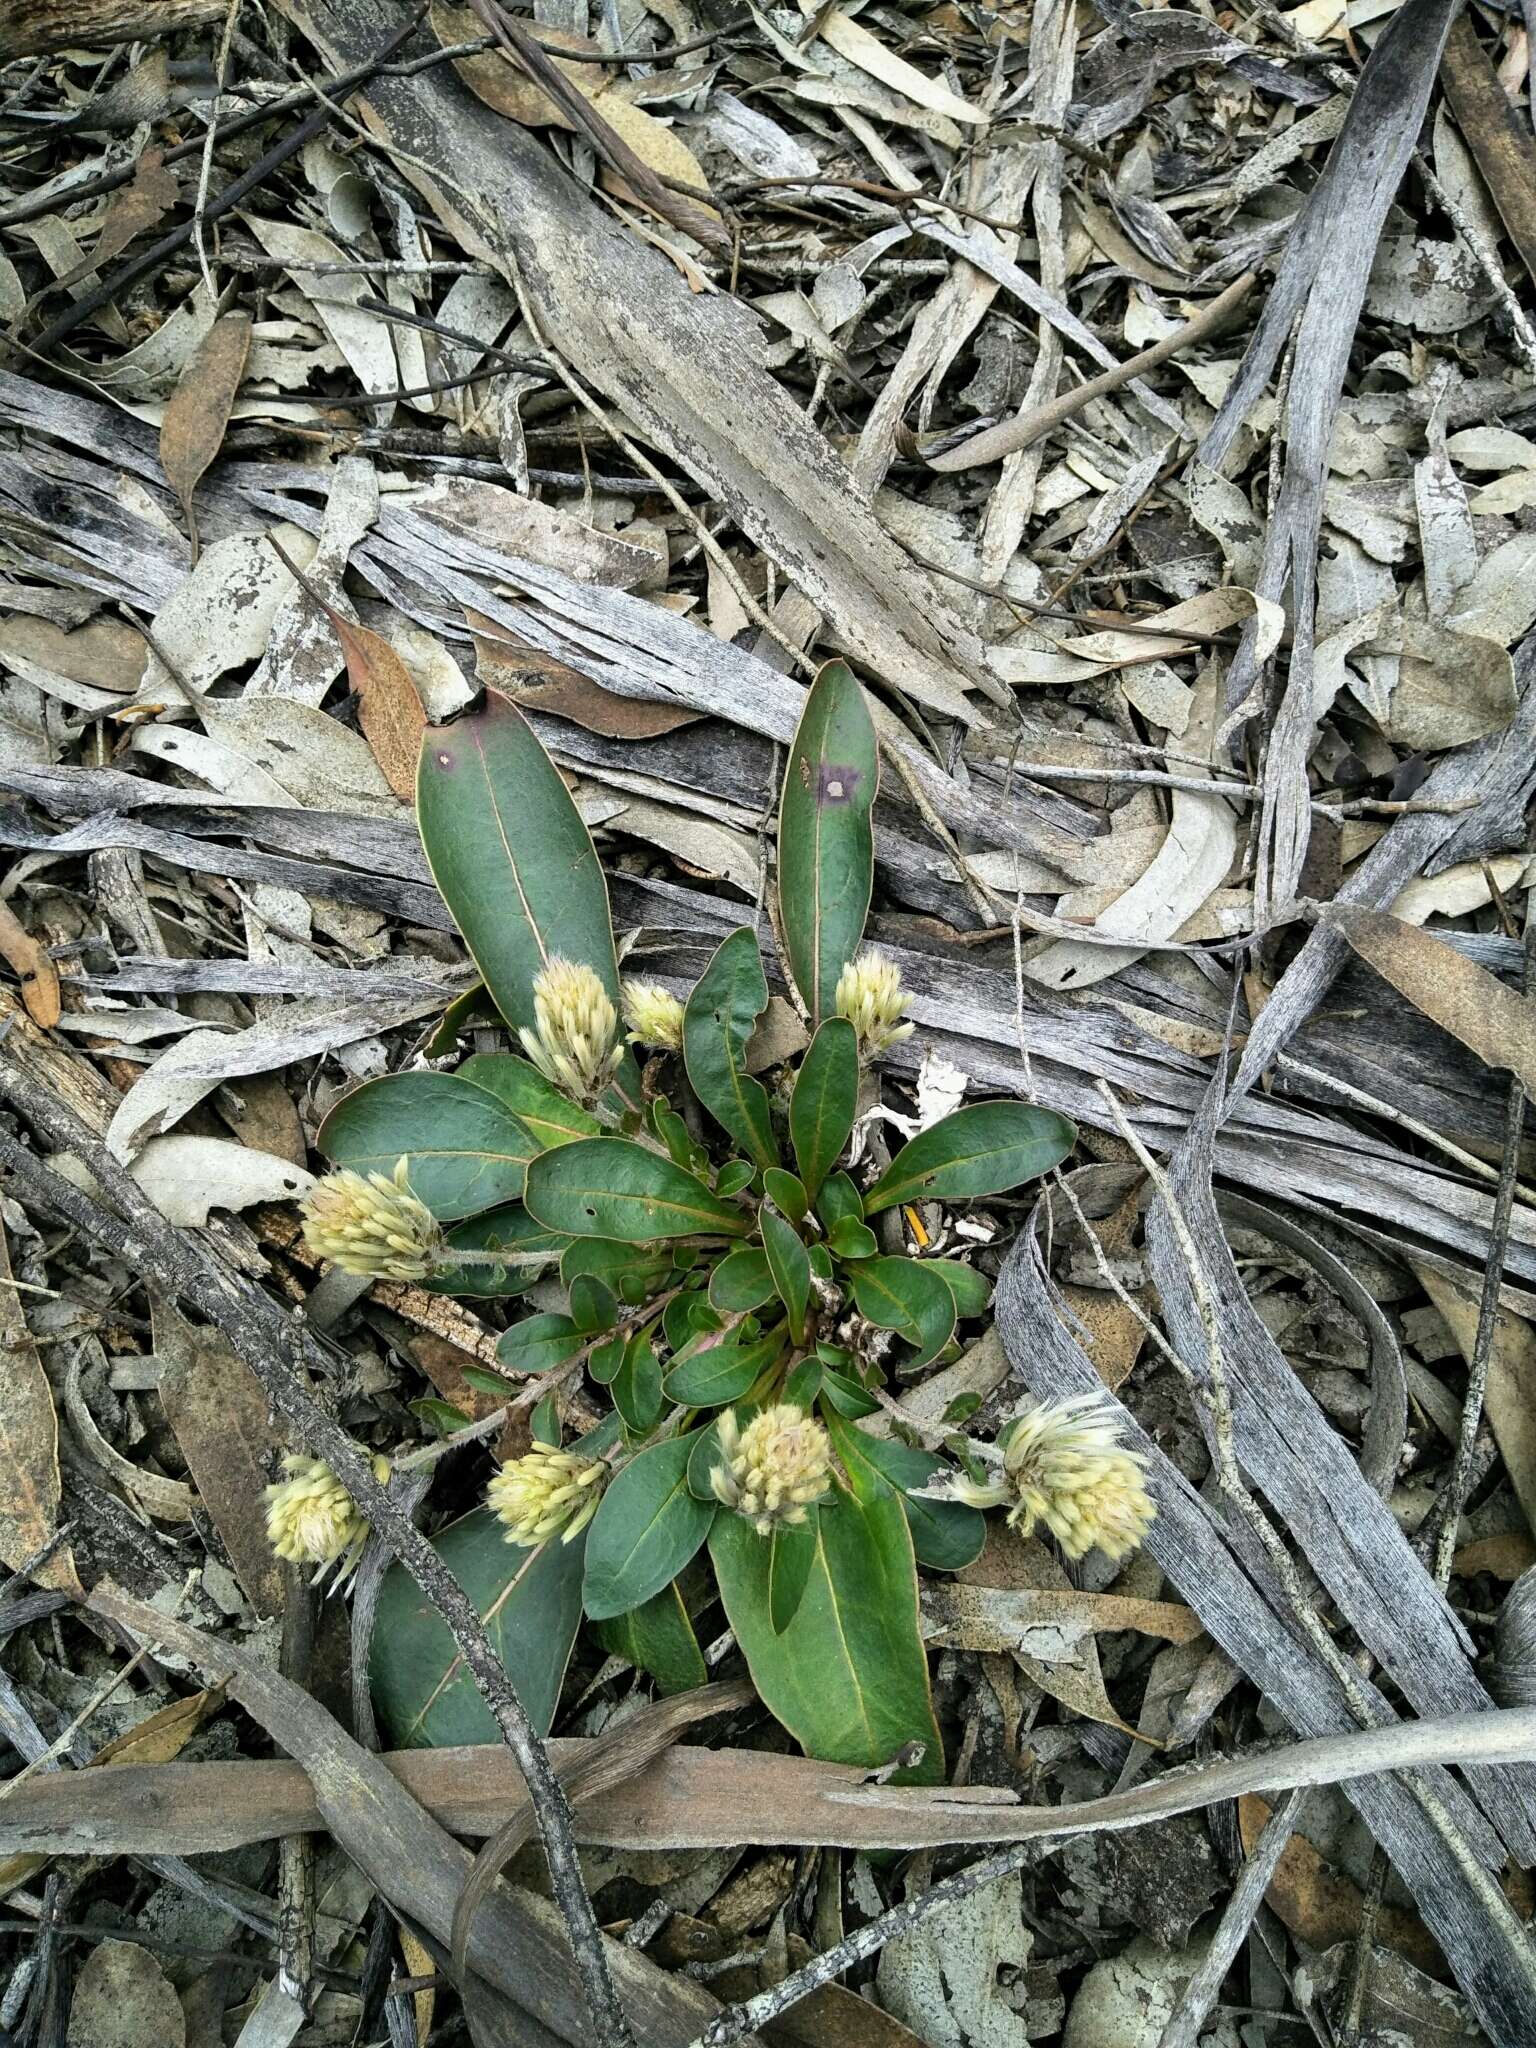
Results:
[735, 1175]
[972, 1290]
[439, 1415]
[722, 1373]
[549, 1117]
[607, 1360]
[538, 1344]
[852, 1240]
[688, 1317]
[730, 996]
[702, 1460]
[946, 1534]
[636, 1386]
[612, 1187]
[658, 1638]
[826, 848]
[848, 1677]
[544, 1422]
[507, 848]
[741, 1280]
[845, 1394]
[594, 1305]
[824, 1102]
[983, 1149]
[906, 1296]
[790, 1267]
[507, 1229]
[786, 1193]
[839, 1198]
[645, 1531]
[485, 1381]
[530, 1601]
[791, 1554]
[465, 1151]
[633, 1272]
[673, 1133]
[803, 1383]
[473, 1007]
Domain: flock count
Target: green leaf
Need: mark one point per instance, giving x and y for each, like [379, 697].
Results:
[507, 848]
[544, 1422]
[465, 1151]
[791, 1554]
[473, 1007]
[906, 1296]
[790, 1267]
[658, 1638]
[851, 1239]
[636, 1386]
[735, 1175]
[741, 1280]
[826, 847]
[594, 1305]
[825, 1101]
[645, 1531]
[538, 1344]
[787, 1193]
[839, 1198]
[439, 1415]
[972, 1290]
[727, 1001]
[702, 1460]
[530, 1601]
[632, 1271]
[607, 1360]
[723, 1373]
[485, 1381]
[846, 1396]
[673, 1132]
[803, 1383]
[507, 1229]
[848, 1677]
[549, 1117]
[983, 1149]
[612, 1187]
[946, 1534]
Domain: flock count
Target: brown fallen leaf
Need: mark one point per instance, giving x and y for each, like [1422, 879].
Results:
[1320, 1907]
[1502, 1557]
[33, 967]
[151, 194]
[1113, 1333]
[30, 1488]
[1489, 1018]
[197, 411]
[539, 682]
[1511, 1391]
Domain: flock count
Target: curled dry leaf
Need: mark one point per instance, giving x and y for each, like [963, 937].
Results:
[197, 412]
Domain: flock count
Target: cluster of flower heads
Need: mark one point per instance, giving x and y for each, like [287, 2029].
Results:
[773, 1470]
[312, 1519]
[1063, 1467]
[546, 1492]
[575, 1041]
[372, 1223]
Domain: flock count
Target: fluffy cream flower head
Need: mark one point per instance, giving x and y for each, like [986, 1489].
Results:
[545, 1491]
[575, 1042]
[775, 1468]
[372, 1223]
[312, 1519]
[870, 995]
[654, 1015]
[1063, 1465]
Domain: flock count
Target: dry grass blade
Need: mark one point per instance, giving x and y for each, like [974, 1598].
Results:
[197, 413]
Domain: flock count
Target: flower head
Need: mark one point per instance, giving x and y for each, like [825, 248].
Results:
[870, 995]
[312, 1519]
[774, 1469]
[372, 1223]
[1062, 1464]
[654, 1015]
[575, 1041]
[545, 1491]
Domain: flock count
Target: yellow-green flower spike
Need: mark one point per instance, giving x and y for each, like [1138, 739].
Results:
[575, 1041]
[546, 1492]
[774, 1469]
[371, 1223]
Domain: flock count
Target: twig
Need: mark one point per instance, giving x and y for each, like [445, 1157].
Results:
[205, 168]
[263, 1334]
[995, 444]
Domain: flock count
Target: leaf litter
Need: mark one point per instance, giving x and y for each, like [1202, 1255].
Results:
[632, 362]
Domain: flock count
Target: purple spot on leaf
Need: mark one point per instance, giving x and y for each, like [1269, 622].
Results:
[836, 784]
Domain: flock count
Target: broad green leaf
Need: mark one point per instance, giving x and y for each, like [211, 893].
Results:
[686, 1318]
[845, 1395]
[507, 848]
[852, 1240]
[790, 1267]
[741, 1280]
[645, 1531]
[508, 1229]
[636, 1386]
[723, 1373]
[658, 1638]
[826, 847]
[983, 1149]
[594, 1305]
[972, 1290]
[735, 1175]
[727, 1001]
[946, 1534]
[439, 1415]
[824, 1102]
[673, 1132]
[530, 1601]
[485, 1381]
[607, 1360]
[791, 1554]
[702, 1460]
[787, 1193]
[839, 1198]
[802, 1383]
[466, 1151]
[538, 1344]
[473, 1007]
[848, 1677]
[549, 1117]
[906, 1296]
[632, 1271]
[612, 1187]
